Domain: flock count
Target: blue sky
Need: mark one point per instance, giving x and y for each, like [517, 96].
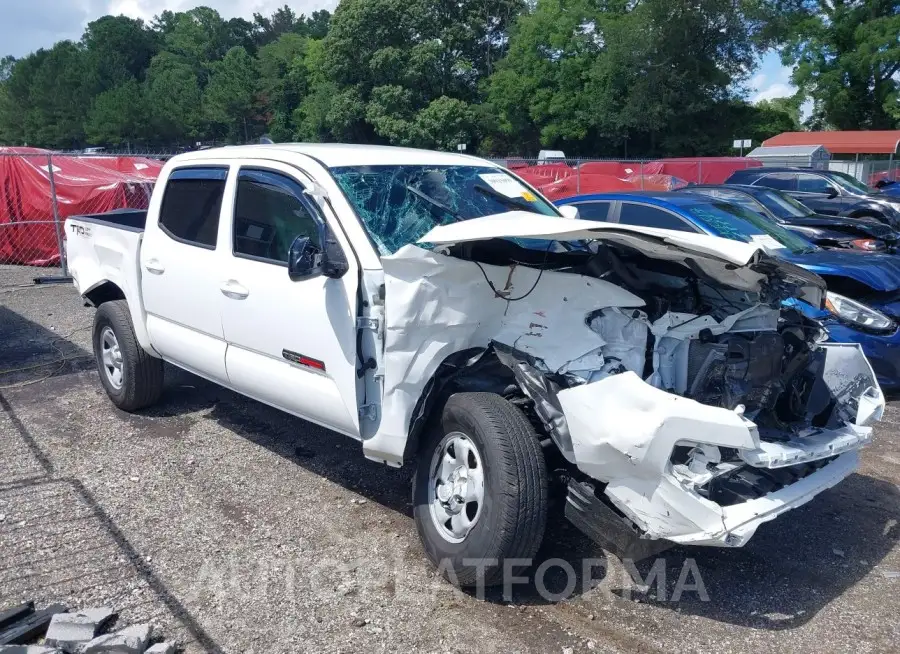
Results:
[771, 80]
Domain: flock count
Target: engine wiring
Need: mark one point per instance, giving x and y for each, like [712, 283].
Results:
[500, 295]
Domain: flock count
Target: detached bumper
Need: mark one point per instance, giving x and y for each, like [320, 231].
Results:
[738, 523]
[714, 526]
[624, 433]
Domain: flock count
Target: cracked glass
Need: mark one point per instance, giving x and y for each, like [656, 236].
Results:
[400, 204]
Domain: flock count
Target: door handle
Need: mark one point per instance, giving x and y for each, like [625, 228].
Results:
[234, 290]
[154, 266]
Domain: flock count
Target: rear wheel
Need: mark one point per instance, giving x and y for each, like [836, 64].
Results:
[480, 489]
[132, 378]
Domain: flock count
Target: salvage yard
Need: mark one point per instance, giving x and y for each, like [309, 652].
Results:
[235, 528]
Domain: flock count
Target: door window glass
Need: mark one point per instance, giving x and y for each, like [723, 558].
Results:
[593, 210]
[270, 211]
[641, 214]
[813, 184]
[191, 205]
[780, 181]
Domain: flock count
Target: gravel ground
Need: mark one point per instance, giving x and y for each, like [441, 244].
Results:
[236, 528]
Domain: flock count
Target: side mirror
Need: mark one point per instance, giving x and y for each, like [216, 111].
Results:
[569, 211]
[307, 260]
[304, 259]
[831, 193]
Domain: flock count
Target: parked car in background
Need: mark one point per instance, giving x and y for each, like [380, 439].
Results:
[841, 232]
[863, 303]
[825, 191]
[551, 157]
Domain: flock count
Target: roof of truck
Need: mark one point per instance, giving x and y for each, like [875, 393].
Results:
[341, 154]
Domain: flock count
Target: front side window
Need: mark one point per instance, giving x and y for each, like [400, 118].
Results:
[399, 204]
[191, 205]
[813, 184]
[780, 181]
[270, 211]
[641, 214]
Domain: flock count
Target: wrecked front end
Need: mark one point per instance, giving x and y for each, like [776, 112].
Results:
[687, 401]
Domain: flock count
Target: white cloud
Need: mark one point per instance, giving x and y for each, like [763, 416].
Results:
[773, 81]
[777, 90]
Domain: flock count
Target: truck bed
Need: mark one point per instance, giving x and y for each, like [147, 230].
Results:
[131, 219]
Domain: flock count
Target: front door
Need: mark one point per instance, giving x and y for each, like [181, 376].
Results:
[819, 194]
[291, 344]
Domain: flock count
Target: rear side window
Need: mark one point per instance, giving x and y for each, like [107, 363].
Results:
[640, 214]
[191, 205]
[593, 210]
[269, 213]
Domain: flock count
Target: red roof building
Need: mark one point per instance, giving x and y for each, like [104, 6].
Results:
[851, 142]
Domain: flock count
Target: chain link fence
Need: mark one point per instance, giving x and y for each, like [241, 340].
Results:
[39, 190]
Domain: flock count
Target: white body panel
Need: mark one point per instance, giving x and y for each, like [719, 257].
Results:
[98, 253]
[231, 319]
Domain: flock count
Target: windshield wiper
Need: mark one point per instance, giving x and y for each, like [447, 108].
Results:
[434, 203]
[514, 203]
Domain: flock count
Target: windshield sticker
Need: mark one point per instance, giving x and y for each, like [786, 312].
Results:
[766, 242]
[508, 186]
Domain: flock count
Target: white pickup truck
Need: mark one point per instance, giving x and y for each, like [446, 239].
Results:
[437, 309]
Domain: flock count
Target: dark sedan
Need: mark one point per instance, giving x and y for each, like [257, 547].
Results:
[841, 232]
[825, 191]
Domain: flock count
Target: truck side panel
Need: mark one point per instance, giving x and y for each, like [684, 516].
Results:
[98, 254]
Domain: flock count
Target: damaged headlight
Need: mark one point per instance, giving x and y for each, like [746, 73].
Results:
[857, 314]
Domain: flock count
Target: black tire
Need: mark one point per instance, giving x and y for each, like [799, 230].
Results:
[514, 516]
[142, 374]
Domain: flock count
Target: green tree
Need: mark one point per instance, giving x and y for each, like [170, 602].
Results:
[846, 55]
[592, 76]
[228, 98]
[173, 100]
[117, 49]
[118, 116]
[394, 58]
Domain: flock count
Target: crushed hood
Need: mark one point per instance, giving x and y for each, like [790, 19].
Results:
[743, 266]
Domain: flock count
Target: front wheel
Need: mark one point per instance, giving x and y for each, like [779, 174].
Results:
[480, 489]
[132, 378]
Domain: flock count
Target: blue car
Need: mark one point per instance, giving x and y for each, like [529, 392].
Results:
[863, 304]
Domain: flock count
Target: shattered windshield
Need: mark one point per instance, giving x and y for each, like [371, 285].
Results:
[400, 204]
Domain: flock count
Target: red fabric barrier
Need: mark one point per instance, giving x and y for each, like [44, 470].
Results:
[706, 170]
[83, 185]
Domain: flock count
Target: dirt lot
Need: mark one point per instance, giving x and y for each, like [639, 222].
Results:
[236, 528]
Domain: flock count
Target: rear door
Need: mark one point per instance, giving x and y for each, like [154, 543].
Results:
[180, 262]
[291, 344]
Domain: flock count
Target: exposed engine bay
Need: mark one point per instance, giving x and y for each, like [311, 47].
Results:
[694, 402]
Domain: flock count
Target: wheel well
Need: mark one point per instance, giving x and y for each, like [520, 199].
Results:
[473, 369]
[105, 292]
[867, 213]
